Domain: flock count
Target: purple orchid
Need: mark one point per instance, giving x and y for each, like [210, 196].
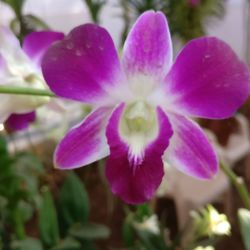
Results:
[142, 105]
[17, 122]
[21, 66]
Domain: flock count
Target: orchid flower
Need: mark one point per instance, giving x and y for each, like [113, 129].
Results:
[17, 122]
[142, 104]
[21, 67]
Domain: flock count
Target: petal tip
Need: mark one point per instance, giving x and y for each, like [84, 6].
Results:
[131, 199]
[211, 172]
[212, 70]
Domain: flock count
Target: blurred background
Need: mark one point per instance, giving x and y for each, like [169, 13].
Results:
[44, 208]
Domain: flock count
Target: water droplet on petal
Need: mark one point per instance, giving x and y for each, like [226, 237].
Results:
[88, 45]
[70, 45]
[79, 52]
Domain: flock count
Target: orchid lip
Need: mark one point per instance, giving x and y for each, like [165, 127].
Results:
[138, 127]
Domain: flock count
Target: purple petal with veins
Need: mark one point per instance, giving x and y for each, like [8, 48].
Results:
[148, 47]
[84, 143]
[83, 66]
[207, 80]
[190, 151]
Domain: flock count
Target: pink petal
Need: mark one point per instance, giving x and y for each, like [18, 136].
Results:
[207, 80]
[189, 149]
[16, 122]
[135, 181]
[148, 48]
[84, 143]
[83, 66]
[36, 43]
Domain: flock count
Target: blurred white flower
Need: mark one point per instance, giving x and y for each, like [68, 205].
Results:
[150, 224]
[219, 224]
[204, 248]
[21, 67]
[208, 222]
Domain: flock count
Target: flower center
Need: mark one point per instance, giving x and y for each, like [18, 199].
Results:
[139, 117]
[138, 128]
[141, 86]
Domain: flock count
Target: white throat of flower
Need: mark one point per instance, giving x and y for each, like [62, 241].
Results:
[18, 70]
[138, 127]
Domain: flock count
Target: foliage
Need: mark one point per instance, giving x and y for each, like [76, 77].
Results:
[73, 202]
[72, 210]
[187, 21]
[22, 24]
[139, 234]
[18, 202]
[48, 221]
[142, 230]
[95, 7]
[23, 197]
[19, 193]
[27, 244]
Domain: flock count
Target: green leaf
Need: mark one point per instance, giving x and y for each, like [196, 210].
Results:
[244, 218]
[73, 201]
[3, 146]
[89, 231]
[3, 203]
[151, 241]
[68, 244]
[28, 170]
[16, 5]
[128, 232]
[5, 160]
[27, 244]
[94, 7]
[35, 23]
[143, 211]
[88, 245]
[48, 223]
[25, 210]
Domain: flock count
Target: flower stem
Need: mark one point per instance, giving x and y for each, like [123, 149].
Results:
[238, 183]
[25, 91]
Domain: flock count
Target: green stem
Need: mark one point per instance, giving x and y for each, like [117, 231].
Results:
[19, 226]
[24, 91]
[238, 183]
